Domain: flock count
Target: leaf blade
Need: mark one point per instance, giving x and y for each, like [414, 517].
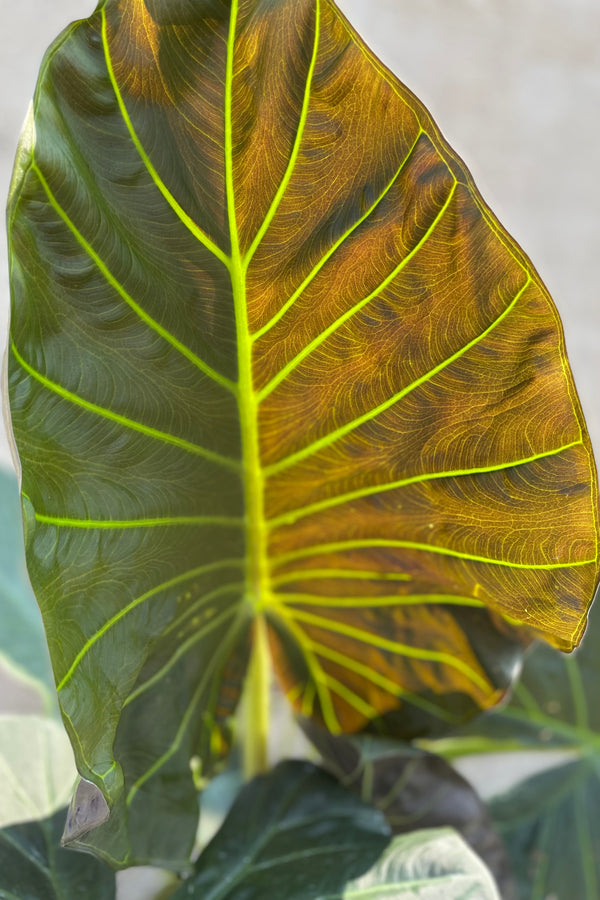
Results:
[298, 813]
[233, 310]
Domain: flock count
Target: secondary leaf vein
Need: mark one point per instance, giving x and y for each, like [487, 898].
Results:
[375, 640]
[118, 287]
[175, 206]
[319, 265]
[172, 582]
[301, 512]
[316, 342]
[105, 413]
[328, 439]
[324, 549]
[297, 143]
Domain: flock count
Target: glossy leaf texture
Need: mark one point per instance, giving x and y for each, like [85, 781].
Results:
[272, 356]
[33, 866]
[415, 790]
[296, 833]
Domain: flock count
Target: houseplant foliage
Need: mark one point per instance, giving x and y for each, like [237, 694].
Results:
[549, 822]
[283, 390]
[279, 821]
[415, 790]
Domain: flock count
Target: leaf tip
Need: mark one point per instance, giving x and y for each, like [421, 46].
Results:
[88, 810]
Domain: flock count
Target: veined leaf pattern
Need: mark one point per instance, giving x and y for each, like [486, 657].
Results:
[272, 356]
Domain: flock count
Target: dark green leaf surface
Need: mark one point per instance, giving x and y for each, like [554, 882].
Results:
[551, 826]
[414, 790]
[550, 822]
[297, 834]
[296, 827]
[273, 360]
[23, 647]
[33, 866]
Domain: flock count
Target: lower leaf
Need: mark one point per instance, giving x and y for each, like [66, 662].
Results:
[34, 867]
[297, 833]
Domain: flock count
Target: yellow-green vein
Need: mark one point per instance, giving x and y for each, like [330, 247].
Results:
[288, 518]
[316, 342]
[317, 268]
[118, 287]
[335, 435]
[366, 543]
[175, 206]
[308, 699]
[375, 640]
[208, 673]
[350, 697]
[182, 649]
[296, 147]
[376, 601]
[364, 671]
[202, 602]
[352, 574]
[172, 582]
[61, 522]
[313, 665]
[105, 413]
[256, 569]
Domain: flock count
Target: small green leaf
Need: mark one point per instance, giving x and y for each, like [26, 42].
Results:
[298, 834]
[37, 771]
[23, 648]
[34, 867]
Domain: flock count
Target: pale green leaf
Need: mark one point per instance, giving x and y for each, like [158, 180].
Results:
[37, 771]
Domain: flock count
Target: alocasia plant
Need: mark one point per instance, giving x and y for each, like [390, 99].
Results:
[283, 389]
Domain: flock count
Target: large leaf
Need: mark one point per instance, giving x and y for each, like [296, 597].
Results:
[296, 833]
[415, 790]
[34, 867]
[272, 357]
[23, 649]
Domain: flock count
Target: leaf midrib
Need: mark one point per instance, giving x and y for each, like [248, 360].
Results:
[252, 478]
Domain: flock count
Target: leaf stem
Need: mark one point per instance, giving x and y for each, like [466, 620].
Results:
[256, 704]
